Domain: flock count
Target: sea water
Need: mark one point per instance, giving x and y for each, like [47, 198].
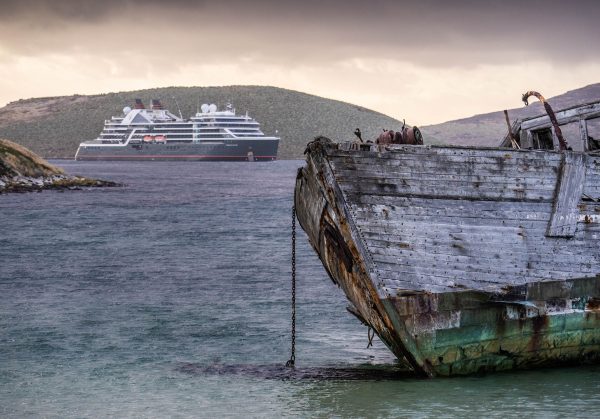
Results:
[170, 297]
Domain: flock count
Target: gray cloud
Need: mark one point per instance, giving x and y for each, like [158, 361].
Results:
[427, 32]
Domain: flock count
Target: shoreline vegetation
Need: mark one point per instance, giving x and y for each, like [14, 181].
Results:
[23, 171]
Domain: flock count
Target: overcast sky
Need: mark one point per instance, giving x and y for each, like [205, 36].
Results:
[427, 61]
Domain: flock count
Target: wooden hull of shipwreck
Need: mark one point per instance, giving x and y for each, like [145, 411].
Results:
[463, 260]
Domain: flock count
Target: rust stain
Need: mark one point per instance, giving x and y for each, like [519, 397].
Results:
[539, 324]
[593, 304]
[338, 245]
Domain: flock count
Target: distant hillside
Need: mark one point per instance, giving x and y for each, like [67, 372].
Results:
[489, 129]
[54, 127]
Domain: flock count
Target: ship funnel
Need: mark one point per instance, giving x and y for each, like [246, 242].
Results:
[139, 104]
[156, 104]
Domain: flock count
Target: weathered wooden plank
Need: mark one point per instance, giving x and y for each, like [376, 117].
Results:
[508, 167]
[441, 174]
[433, 191]
[485, 209]
[482, 184]
[446, 252]
[563, 221]
[514, 265]
[409, 167]
[400, 278]
[454, 245]
[395, 151]
[592, 188]
[563, 117]
[537, 219]
[458, 271]
[406, 203]
[488, 262]
[580, 260]
[392, 223]
[459, 178]
[588, 217]
[436, 229]
[450, 187]
[525, 167]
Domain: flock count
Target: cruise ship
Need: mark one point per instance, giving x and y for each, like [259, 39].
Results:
[157, 134]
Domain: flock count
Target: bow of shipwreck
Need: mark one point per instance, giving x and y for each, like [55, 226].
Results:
[462, 260]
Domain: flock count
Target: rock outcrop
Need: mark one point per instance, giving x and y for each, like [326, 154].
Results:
[23, 171]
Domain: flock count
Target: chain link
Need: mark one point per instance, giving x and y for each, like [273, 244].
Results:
[292, 359]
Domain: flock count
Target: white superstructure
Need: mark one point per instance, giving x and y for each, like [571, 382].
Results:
[139, 127]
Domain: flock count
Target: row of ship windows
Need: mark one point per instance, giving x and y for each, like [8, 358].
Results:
[196, 129]
[158, 131]
[185, 125]
[219, 120]
[185, 136]
[227, 125]
[167, 147]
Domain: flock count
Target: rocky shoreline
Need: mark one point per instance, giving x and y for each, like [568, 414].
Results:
[21, 184]
[23, 171]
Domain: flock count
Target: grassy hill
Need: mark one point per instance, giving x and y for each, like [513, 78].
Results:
[489, 129]
[54, 127]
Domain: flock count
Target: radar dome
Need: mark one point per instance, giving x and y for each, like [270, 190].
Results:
[212, 108]
[204, 108]
[126, 110]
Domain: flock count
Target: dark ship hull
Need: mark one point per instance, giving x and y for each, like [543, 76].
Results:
[462, 260]
[228, 150]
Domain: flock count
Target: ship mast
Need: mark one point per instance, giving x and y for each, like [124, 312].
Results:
[178, 108]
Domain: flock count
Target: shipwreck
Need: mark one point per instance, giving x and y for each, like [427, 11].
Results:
[465, 259]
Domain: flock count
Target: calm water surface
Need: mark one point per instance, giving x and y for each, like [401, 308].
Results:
[170, 297]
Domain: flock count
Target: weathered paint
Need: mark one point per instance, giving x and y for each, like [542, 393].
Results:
[445, 251]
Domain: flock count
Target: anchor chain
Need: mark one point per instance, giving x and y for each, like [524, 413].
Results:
[292, 359]
[370, 336]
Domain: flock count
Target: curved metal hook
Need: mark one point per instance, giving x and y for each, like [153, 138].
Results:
[526, 95]
[563, 144]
